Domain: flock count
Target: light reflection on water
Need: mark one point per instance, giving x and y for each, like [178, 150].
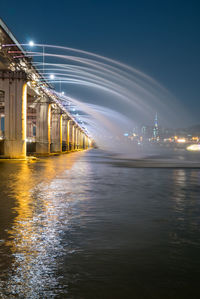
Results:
[42, 205]
[74, 226]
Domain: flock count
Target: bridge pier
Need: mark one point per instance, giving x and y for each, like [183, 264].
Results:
[56, 123]
[80, 139]
[85, 142]
[43, 122]
[68, 128]
[15, 89]
[71, 135]
[75, 137]
[65, 132]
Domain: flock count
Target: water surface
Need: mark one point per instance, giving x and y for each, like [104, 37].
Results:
[85, 225]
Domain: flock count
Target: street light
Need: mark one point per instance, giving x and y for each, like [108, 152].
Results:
[31, 43]
[52, 76]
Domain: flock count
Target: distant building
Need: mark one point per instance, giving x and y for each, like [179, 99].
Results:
[155, 129]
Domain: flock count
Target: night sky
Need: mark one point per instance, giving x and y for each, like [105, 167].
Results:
[161, 38]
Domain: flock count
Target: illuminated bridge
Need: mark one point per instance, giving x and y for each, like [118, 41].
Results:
[32, 117]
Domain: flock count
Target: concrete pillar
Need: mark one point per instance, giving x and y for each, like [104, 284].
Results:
[68, 128]
[89, 143]
[78, 134]
[71, 135]
[81, 139]
[75, 137]
[56, 122]
[15, 88]
[86, 142]
[65, 132]
[43, 126]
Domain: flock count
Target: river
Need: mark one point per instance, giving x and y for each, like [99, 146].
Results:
[85, 225]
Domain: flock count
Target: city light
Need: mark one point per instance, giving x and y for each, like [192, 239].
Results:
[194, 147]
[195, 138]
[181, 140]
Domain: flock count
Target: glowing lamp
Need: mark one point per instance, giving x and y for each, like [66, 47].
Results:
[31, 43]
[194, 147]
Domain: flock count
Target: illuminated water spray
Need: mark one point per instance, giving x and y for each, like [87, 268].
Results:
[107, 97]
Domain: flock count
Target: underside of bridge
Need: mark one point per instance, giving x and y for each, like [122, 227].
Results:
[32, 119]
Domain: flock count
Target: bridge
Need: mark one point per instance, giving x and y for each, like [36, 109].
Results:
[32, 117]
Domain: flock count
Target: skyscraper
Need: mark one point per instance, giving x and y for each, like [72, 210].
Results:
[155, 129]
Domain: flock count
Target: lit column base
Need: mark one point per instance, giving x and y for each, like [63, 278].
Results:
[15, 149]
